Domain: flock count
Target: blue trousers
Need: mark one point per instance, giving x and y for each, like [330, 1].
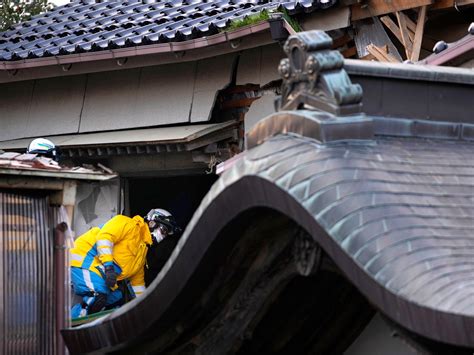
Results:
[88, 285]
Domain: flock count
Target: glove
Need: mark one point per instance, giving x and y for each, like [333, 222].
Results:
[110, 276]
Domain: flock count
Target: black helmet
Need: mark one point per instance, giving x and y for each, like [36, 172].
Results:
[160, 219]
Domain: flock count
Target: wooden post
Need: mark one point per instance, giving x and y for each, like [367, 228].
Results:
[60, 269]
[67, 198]
[420, 26]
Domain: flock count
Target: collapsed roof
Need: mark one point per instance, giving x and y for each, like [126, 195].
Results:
[17, 164]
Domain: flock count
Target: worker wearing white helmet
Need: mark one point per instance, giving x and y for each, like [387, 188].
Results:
[43, 147]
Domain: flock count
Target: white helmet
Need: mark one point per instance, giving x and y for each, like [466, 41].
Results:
[43, 146]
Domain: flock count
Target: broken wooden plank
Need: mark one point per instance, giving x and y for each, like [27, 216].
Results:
[402, 24]
[367, 32]
[420, 27]
[376, 53]
[381, 54]
[368, 57]
[372, 8]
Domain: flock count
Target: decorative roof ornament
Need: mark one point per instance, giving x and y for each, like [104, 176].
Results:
[318, 98]
[314, 77]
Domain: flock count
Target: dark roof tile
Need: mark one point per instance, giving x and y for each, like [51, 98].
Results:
[84, 25]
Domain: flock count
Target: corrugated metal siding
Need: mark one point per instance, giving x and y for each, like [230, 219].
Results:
[27, 280]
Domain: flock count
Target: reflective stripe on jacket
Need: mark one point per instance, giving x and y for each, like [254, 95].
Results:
[121, 241]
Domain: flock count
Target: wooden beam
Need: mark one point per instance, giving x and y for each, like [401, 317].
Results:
[442, 4]
[402, 23]
[381, 53]
[420, 26]
[33, 183]
[392, 26]
[427, 43]
[410, 24]
[372, 49]
[381, 7]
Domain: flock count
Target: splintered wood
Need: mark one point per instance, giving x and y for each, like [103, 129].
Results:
[407, 32]
[381, 53]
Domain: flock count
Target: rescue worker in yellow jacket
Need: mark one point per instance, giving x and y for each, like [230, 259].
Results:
[115, 252]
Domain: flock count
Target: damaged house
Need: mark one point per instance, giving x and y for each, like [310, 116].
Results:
[159, 91]
[164, 93]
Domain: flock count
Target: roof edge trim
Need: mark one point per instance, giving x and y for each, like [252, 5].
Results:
[319, 125]
[410, 71]
[171, 47]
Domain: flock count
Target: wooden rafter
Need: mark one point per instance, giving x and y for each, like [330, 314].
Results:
[420, 26]
[392, 26]
[402, 24]
[427, 42]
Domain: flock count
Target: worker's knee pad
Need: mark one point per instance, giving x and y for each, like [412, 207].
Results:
[98, 304]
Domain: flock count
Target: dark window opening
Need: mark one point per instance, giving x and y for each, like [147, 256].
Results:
[180, 195]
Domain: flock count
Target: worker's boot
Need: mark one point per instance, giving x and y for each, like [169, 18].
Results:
[97, 304]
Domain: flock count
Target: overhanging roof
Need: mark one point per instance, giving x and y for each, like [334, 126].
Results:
[135, 141]
[86, 26]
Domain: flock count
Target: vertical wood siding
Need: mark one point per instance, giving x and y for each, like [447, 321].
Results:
[27, 281]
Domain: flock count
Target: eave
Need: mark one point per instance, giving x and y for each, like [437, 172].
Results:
[125, 58]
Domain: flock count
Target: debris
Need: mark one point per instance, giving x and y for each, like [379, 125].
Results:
[15, 160]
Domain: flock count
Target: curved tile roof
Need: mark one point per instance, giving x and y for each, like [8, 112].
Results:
[83, 26]
[395, 215]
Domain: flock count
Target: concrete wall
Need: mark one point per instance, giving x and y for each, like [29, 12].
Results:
[140, 97]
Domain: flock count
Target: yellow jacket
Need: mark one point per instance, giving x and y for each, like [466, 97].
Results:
[121, 242]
